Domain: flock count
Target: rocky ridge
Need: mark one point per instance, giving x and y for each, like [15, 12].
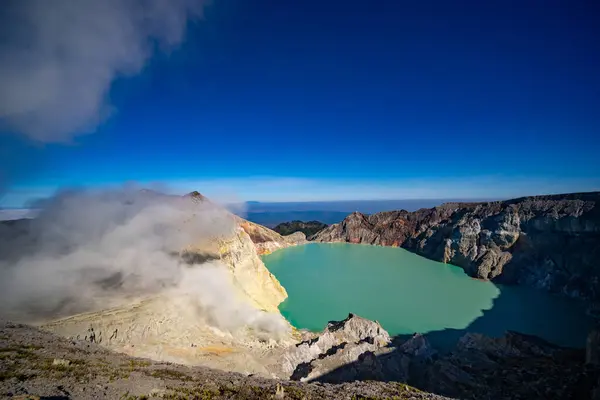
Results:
[548, 242]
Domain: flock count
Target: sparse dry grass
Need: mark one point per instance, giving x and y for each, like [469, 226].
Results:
[169, 374]
[134, 365]
[242, 392]
[109, 375]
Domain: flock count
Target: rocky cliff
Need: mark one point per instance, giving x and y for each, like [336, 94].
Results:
[514, 366]
[265, 240]
[549, 242]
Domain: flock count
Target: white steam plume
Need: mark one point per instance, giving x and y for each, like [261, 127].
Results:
[58, 58]
[92, 250]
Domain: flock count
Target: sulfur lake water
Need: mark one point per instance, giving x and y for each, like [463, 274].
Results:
[408, 293]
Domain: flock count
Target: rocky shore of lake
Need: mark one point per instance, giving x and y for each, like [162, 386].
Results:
[546, 242]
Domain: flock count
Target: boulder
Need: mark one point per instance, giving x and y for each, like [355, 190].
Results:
[341, 343]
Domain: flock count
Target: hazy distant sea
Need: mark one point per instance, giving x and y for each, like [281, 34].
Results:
[271, 214]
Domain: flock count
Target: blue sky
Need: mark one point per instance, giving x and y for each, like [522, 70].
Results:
[312, 100]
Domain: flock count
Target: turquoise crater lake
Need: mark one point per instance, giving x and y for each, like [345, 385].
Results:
[407, 293]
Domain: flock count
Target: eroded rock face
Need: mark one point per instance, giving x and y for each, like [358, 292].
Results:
[341, 342]
[236, 330]
[265, 240]
[479, 367]
[240, 254]
[174, 327]
[548, 242]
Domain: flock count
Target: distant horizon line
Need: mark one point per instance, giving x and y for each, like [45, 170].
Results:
[462, 199]
[260, 190]
[335, 201]
[382, 200]
[444, 199]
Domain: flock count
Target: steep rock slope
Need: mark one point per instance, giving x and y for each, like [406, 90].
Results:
[175, 327]
[550, 242]
[171, 327]
[221, 311]
[266, 240]
[241, 254]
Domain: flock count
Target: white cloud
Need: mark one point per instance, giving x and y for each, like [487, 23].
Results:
[58, 58]
[89, 250]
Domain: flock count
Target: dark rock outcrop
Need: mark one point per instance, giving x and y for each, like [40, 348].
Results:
[514, 366]
[308, 228]
[549, 242]
[592, 350]
[196, 195]
[342, 342]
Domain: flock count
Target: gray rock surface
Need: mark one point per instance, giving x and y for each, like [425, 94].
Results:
[514, 366]
[296, 238]
[27, 369]
[341, 342]
[548, 242]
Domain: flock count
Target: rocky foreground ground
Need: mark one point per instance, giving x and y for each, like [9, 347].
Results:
[351, 359]
[36, 364]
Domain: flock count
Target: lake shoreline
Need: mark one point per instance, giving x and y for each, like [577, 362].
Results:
[440, 299]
